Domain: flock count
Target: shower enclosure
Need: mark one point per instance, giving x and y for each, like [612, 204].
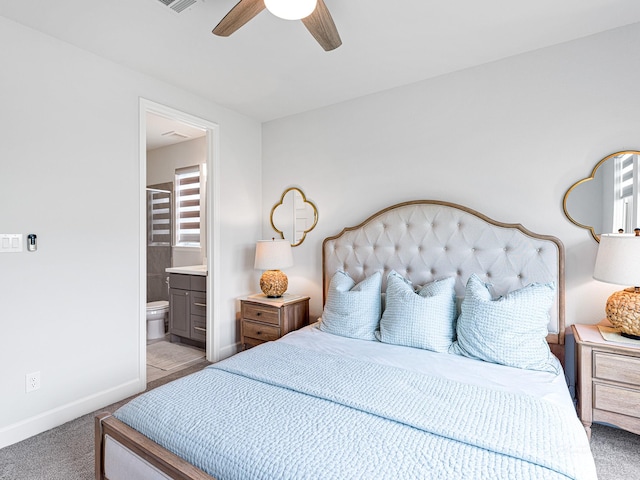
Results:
[159, 235]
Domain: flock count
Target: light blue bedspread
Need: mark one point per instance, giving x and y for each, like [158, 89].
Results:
[279, 411]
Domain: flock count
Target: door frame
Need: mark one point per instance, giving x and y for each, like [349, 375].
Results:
[212, 250]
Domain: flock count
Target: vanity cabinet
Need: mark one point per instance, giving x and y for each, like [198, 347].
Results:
[188, 308]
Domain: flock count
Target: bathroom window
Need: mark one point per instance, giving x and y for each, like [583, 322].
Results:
[189, 186]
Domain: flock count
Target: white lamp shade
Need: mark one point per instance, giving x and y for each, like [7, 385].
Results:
[618, 260]
[291, 9]
[273, 255]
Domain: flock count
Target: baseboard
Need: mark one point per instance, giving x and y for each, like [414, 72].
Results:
[229, 351]
[44, 421]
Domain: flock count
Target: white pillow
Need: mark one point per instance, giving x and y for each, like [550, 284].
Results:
[352, 310]
[423, 319]
[509, 330]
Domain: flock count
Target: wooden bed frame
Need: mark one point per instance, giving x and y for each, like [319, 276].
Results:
[421, 240]
[175, 467]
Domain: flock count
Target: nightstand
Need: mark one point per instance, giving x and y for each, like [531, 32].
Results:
[608, 381]
[265, 319]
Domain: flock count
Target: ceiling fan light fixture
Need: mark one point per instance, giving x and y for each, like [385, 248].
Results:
[291, 9]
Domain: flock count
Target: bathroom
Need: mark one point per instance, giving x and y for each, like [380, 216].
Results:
[176, 155]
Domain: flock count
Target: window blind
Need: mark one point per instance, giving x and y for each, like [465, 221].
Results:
[187, 192]
[626, 206]
[626, 176]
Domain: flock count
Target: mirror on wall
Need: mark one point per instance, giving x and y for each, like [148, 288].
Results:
[608, 200]
[294, 216]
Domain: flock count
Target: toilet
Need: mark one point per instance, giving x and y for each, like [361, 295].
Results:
[156, 316]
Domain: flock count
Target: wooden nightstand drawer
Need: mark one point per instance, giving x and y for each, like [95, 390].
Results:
[252, 342]
[260, 331]
[618, 368]
[616, 399]
[266, 319]
[608, 381]
[261, 313]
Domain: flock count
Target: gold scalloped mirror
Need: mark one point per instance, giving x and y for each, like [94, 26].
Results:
[294, 216]
[607, 201]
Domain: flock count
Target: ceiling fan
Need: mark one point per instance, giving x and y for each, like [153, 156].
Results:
[314, 15]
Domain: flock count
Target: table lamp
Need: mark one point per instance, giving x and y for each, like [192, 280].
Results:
[618, 261]
[271, 256]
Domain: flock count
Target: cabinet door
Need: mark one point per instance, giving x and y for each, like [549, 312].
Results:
[179, 321]
[198, 316]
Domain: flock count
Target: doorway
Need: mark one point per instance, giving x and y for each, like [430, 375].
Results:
[209, 254]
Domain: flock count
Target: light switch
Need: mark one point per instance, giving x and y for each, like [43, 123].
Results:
[11, 242]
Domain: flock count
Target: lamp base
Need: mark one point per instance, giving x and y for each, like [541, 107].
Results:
[628, 335]
[273, 283]
[623, 311]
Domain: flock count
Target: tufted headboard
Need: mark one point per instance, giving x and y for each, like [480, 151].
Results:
[425, 240]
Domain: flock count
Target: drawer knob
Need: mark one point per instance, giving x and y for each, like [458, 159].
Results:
[258, 314]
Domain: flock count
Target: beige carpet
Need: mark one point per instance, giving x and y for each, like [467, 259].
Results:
[67, 452]
[169, 356]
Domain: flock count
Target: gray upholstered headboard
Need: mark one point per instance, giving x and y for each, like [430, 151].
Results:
[426, 240]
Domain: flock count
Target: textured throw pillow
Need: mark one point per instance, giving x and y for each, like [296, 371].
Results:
[352, 310]
[509, 330]
[423, 319]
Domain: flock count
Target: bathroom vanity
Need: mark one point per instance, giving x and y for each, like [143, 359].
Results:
[188, 305]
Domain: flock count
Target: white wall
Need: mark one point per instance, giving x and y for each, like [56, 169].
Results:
[69, 172]
[507, 139]
[162, 162]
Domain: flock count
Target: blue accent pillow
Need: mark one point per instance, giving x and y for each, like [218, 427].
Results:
[509, 330]
[421, 319]
[352, 310]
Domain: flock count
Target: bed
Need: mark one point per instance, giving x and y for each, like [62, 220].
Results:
[438, 355]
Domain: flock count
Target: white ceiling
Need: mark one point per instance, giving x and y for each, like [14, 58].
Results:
[272, 68]
[162, 131]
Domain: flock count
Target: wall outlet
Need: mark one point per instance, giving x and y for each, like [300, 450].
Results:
[32, 381]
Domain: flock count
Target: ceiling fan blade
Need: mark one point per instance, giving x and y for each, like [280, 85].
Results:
[321, 26]
[244, 11]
